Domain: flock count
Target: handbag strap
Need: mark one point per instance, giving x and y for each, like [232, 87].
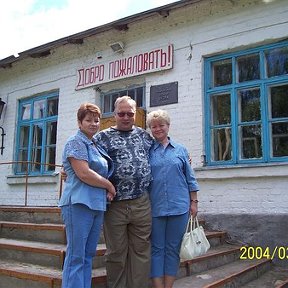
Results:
[192, 223]
[189, 225]
[195, 222]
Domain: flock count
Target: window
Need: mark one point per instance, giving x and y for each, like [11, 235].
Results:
[246, 106]
[108, 99]
[36, 134]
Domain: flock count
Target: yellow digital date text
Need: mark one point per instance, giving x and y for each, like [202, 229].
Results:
[258, 252]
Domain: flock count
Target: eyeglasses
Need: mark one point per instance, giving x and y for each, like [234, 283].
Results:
[129, 114]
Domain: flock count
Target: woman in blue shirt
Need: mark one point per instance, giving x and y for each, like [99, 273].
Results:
[173, 195]
[83, 201]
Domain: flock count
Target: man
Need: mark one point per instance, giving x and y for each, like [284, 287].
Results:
[127, 224]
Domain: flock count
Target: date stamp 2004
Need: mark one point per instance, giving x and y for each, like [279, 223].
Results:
[258, 252]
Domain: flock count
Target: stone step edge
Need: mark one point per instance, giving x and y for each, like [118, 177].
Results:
[56, 249]
[44, 248]
[33, 226]
[284, 284]
[215, 234]
[42, 274]
[59, 249]
[209, 254]
[42, 209]
[61, 227]
[226, 280]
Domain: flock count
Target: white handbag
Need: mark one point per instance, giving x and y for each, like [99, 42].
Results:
[194, 242]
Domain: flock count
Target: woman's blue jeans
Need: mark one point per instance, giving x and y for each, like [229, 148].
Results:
[166, 238]
[83, 228]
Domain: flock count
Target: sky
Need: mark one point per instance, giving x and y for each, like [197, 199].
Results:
[25, 24]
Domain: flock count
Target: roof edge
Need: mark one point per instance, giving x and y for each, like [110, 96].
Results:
[77, 38]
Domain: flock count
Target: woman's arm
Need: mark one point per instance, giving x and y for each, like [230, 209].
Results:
[193, 203]
[90, 177]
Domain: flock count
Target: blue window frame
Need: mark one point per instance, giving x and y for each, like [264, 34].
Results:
[36, 134]
[108, 99]
[246, 106]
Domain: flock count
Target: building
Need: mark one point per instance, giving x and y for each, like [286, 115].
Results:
[220, 68]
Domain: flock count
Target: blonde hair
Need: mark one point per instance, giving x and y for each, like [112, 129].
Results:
[86, 108]
[125, 98]
[160, 115]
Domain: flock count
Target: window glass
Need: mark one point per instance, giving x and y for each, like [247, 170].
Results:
[22, 167]
[52, 105]
[114, 97]
[221, 139]
[36, 159]
[136, 93]
[51, 133]
[106, 105]
[248, 68]
[251, 146]
[24, 137]
[277, 61]
[222, 73]
[280, 139]
[249, 105]
[37, 131]
[247, 121]
[39, 109]
[36, 136]
[140, 97]
[279, 120]
[25, 111]
[279, 101]
[131, 93]
[50, 158]
[122, 93]
[221, 109]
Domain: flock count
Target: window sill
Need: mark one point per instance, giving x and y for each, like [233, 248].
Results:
[243, 171]
[21, 179]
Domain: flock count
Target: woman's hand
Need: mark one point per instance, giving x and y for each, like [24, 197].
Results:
[91, 177]
[193, 208]
[63, 174]
[111, 192]
[193, 203]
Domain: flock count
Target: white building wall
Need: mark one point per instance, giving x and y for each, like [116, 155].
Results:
[202, 29]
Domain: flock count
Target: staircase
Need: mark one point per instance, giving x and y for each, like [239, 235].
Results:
[32, 251]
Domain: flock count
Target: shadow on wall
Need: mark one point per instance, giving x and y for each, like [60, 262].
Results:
[255, 230]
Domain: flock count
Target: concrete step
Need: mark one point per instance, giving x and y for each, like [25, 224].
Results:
[34, 223]
[32, 252]
[277, 277]
[31, 214]
[216, 238]
[16, 274]
[284, 284]
[233, 274]
[37, 215]
[47, 232]
[216, 256]
[41, 253]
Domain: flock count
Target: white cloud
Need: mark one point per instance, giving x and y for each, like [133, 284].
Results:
[23, 28]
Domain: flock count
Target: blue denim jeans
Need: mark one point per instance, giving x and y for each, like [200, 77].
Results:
[83, 228]
[166, 238]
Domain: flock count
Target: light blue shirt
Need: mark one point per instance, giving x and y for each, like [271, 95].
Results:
[173, 179]
[76, 191]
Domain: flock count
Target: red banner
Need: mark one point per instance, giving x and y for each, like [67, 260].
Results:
[146, 62]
